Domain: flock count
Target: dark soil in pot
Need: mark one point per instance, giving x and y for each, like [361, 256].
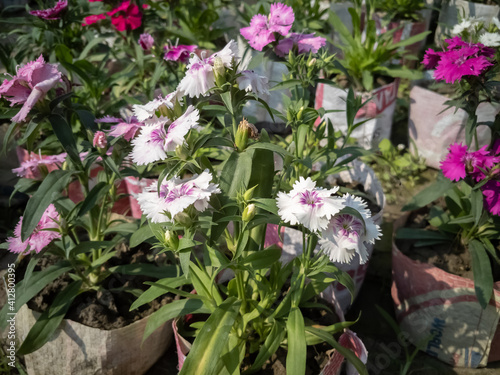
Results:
[451, 257]
[107, 309]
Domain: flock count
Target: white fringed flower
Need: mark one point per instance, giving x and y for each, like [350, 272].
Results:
[490, 39]
[144, 112]
[346, 235]
[251, 81]
[156, 140]
[467, 24]
[200, 76]
[176, 195]
[308, 205]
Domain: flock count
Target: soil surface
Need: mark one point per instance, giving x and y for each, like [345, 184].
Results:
[109, 308]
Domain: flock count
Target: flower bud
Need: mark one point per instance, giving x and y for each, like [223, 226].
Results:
[245, 130]
[219, 71]
[146, 41]
[312, 62]
[249, 212]
[300, 113]
[100, 140]
[182, 152]
[249, 193]
[172, 240]
[183, 219]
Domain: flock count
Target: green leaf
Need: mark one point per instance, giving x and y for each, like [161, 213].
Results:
[262, 259]
[93, 197]
[420, 234]
[272, 343]
[476, 197]
[430, 194]
[173, 310]
[208, 347]
[50, 319]
[65, 135]
[49, 190]
[142, 234]
[154, 291]
[483, 276]
[267, 204]
[236, 173]
[285, 84]
[145, 269]
[297, 348]
[87, 246]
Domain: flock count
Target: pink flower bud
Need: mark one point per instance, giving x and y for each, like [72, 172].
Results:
[100, 140]
[146, 41]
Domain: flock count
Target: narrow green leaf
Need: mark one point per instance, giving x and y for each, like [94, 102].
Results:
[430, 194]
[154, 291]
[297, 348]
[272, 343]
[93, 197]
[207, 349]
[483, 276]
[142, 234]
[65, 135]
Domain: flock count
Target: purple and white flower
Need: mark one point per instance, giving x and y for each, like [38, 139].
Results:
[346, 234]
[200, 75]
[251, 81]
[147, 113]
[126, 128]
[176, 195]
[156, 139]
[308, 205]
[146, 41]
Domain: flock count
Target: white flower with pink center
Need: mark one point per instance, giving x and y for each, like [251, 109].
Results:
[308, 205]
[176, 195]
[251, 81]
[347, 235]
[148, 112]
[200, 75]
[157, 138]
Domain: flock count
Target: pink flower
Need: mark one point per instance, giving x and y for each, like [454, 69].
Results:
[51, 13]
[100, 140]
[126, 16]
[431, 59]
[146, 41]
[491, 192]
[458, 60]
[40, 237]
[126, 128]
[304, 43]
[459, 162]
[37, 166]
[261, 30]
[31, 83]
[178, 53]
[87, 21]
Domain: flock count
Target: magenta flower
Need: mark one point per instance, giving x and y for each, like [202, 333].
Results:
[30, 85]
[126, 128]
[262, 28]
[459, 162]
[491, 192]
[87, 21]
[304, 42]
[51, 13]
[458, 60]
[126, 16]
[146, 41]
[41, 236]
[178, 53]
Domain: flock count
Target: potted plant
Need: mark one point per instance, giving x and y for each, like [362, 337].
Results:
[476, 103]
[75, 251]
[465, 224]
[365, 65]
[219, 190]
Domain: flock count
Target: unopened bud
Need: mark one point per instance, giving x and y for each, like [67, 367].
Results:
[249, 212]
[219, 71]
[172, 240]
[183, 219]
[100, 140]
[312, 62]
[300, 113]
[245, 130]
[249, 193]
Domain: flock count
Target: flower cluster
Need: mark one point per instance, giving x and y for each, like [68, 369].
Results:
[342, 234]
[53, 13]
[459, 59]
[264, 30]
[41, 237]
[479, 165]
[30, 85]
[127, 16]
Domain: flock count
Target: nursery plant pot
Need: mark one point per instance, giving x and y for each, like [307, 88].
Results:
[448, 17]
[440, 308]
[380, 110]
[433, 128]
[77, 349]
